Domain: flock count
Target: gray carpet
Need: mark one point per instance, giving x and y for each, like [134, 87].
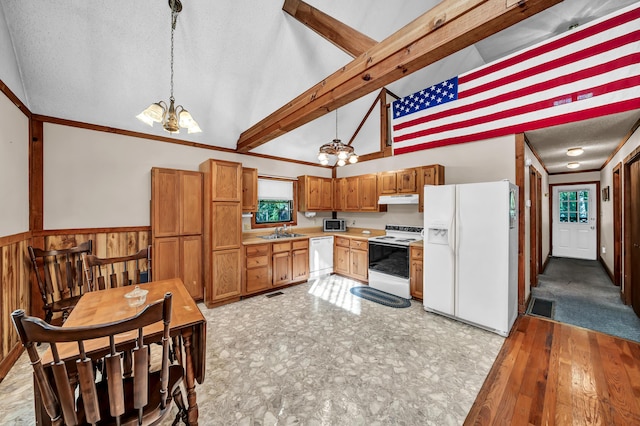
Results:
[583, 295]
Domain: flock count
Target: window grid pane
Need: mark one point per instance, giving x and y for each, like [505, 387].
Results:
[573, 206]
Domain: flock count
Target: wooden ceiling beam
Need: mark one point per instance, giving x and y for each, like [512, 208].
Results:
[352, 42]
[445, 29]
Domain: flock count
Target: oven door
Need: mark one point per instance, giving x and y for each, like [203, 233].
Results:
[390, 259]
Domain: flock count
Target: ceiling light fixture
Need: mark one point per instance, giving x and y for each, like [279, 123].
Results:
[171, 117]
[336, 147]
[573, 165]
[574, 152]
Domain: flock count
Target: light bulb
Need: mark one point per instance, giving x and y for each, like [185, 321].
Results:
[353, 159]
[323, 156]
[573, 165]
[341, 162]
[324, 161]
[342, 155]
[574, 152]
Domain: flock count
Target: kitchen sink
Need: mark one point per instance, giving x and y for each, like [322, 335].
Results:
[280, 236]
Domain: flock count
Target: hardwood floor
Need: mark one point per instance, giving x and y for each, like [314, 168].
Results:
[549, 373]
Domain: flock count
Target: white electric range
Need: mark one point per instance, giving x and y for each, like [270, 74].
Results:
[389, 259]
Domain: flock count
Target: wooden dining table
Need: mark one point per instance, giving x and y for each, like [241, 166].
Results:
[103, 306]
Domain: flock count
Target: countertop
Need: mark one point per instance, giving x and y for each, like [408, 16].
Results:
[249, 238]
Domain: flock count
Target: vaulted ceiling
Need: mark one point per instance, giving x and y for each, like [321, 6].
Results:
[103, 62]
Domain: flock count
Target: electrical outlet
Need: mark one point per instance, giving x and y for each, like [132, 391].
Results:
[604, 249]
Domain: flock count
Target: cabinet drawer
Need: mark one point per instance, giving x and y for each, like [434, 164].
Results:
[300, 244]
[279, 247]
[253, 262]
[360, 244]
[257, 250]
[416, 253]
[257, 279]
[342, 242]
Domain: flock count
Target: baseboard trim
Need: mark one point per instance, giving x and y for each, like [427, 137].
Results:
[606, 268]
[545, 263]
[11, 358]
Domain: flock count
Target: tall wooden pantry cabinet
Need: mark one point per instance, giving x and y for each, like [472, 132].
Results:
[222, 231]
[176, 227]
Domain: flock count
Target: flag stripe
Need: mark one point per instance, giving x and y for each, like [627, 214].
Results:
[578, 75]
[464, 93]
[558, 43]
[599, 111]
[565, 60]
[536, 88]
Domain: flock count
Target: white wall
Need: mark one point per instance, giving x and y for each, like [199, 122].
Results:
[574, 178]
[606, 207]
[95, 179]
[14, 169]
[489, 160]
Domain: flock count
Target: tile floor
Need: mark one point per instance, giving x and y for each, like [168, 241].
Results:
[317, 355]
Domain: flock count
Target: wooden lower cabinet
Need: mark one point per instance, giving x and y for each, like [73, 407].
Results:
[351, 258]
[225, 280]
[257, 264]
[415, 274]
[179, 257]
[281, 268]
[300, 264]
[273, 265]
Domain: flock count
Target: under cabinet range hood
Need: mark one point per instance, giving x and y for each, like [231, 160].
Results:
[398, 199]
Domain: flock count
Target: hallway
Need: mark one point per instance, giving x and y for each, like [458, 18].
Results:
[584, 295]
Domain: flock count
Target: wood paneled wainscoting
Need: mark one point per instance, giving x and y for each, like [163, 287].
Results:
[19, 289]
[15, 289]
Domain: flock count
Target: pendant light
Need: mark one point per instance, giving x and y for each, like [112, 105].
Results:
[172, 118]
[336, 147]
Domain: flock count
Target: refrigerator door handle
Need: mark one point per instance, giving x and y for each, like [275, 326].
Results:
[451, 236]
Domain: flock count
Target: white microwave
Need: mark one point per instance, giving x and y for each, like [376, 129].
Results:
[334, 225]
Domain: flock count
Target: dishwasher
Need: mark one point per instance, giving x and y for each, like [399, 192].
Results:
[320, 256]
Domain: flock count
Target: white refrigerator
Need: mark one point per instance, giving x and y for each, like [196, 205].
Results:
[471, 253]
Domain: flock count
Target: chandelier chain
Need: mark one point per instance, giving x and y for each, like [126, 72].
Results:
[174, 19]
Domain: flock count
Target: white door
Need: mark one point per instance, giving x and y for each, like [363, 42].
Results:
[574, 221]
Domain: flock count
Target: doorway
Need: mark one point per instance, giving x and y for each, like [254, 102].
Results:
[535, 225]
[632, 230]
[574, 213]
[617, 225]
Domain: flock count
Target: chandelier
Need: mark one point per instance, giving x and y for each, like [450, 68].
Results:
[336, 147]
[171, 117]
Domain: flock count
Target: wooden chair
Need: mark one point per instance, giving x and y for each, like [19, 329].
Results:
[102, 273]
[59, 276]
[143, 399]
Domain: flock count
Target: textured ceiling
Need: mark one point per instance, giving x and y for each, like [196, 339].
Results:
[102, 62]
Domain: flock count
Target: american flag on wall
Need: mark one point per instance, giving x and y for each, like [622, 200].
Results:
[589, 72]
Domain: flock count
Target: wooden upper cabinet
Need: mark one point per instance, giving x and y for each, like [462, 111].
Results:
[315, 193]
[191, 203]
[249, 189]
[226, 226]
[368, 192]
[387, 183]
[351, 199]
[407, 181]
[165, 202]
[339, 194]
[398, 182]
[226, 180]
[429, 175]
[176, 202]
